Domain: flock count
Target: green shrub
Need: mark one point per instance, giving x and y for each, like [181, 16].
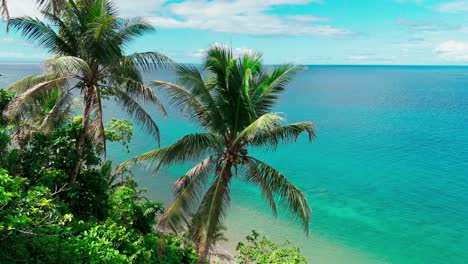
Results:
[260, 250]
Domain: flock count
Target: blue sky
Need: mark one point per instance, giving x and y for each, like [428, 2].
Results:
[412, 32]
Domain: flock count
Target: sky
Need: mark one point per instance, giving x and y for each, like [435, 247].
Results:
[394, 32]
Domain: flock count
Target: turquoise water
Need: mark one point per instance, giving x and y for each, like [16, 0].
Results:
[387, 175]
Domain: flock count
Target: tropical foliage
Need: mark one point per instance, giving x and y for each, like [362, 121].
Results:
[88, 41]
[102, 218]
[233, 105]
[46, 112]
[260, 250]
[119, 130]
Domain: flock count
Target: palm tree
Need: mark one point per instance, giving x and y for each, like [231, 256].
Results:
[232, 104]
[88, 40]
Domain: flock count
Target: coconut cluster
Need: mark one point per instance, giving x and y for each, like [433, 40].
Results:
[237, 157]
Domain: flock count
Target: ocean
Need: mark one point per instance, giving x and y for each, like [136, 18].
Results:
[386, 176]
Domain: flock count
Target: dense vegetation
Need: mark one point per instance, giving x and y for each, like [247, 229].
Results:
[61, 202]
[101, 218]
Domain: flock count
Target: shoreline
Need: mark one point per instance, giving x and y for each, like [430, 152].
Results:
[319, 250]
[241, 219]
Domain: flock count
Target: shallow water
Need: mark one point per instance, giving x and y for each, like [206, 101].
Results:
[386, 175]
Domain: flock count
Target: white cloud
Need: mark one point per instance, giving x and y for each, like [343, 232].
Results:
[242, 17]
[231, 16]
[453, 7]
[23, 8]
[455, 51]
[237, 51]
[128, 8]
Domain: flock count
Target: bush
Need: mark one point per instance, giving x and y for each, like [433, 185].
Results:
[260, 250]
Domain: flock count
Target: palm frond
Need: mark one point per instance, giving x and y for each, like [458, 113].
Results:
[136, 89]
[40, 33]
[137, 112]
[67, 34]
[102, 27]
[126, 76]
[244, 74]
[269, 85]
[110, 7]
[190, 147]
[282, 134]
[218, 59]
[43, 111]
[201, 169]
[191, 79]
[101, 38]
[187, 190]
[67, 66]
[233, 78]
[51, 6]
[24, 84]
[58, 113]
[187, 103]
[250, 175]
[121, 72]
[134, 27]
[148, 61]
[18, 106]
[289, 195]
[264, 124]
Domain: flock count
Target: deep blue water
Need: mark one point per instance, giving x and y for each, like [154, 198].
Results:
[387, 175]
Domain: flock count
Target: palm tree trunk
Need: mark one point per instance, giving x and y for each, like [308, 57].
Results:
[82, 140]
[203, 254]
[207, 245]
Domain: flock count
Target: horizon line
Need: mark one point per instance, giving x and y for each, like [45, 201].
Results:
[320, 65]
[299, 64]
